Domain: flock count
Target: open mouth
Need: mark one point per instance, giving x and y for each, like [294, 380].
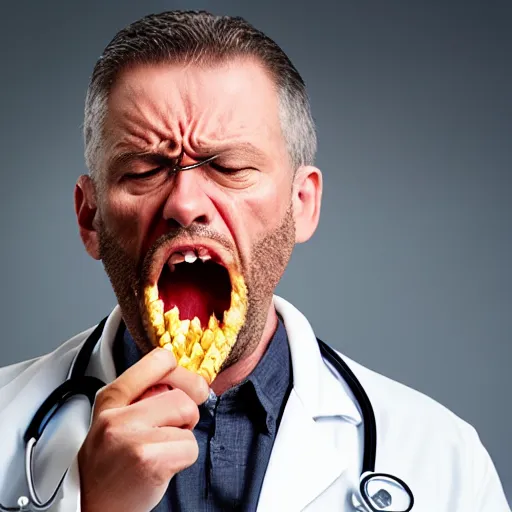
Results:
[198, 289]
[196, 307]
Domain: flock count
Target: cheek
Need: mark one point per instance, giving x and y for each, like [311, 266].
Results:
[268, 203]
[251, 214]
[129, 220]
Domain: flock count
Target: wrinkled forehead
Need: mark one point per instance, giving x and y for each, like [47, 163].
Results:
[202, 107]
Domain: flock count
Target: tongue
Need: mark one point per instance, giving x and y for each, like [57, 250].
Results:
[197, 289]
[191, 301]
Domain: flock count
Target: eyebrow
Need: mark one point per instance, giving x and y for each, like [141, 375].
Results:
[242, 148]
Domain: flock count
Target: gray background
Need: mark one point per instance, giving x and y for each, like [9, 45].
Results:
[410, 270]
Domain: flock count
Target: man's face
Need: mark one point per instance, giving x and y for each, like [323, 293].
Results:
[239, 206]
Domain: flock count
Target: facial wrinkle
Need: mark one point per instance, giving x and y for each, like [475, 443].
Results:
[185, 114]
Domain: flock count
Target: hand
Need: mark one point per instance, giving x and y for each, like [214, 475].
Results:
[140, 435]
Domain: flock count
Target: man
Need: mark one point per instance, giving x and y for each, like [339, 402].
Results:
[200, 144]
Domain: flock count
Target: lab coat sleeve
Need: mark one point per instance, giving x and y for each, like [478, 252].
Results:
[487, 490]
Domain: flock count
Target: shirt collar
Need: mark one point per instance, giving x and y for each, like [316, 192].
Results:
[125, 351]
[272, 378]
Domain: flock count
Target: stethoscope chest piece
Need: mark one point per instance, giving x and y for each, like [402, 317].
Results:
[381, 492]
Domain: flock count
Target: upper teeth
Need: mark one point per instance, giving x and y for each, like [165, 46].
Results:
[203, 254]
[177, 257]
[189, 256]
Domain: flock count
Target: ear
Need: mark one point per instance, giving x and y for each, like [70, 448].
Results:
[86, 213]
[307, 199]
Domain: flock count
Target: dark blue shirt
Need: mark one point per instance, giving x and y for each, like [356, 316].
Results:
[235, 433]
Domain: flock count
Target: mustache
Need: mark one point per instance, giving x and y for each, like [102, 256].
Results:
[182, 233]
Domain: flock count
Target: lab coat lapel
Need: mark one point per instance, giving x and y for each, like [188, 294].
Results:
[307, 456]
[23, 395]
[64, 437]
[102, 364]
[303, 462]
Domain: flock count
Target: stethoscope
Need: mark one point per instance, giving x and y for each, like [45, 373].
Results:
[377, 492]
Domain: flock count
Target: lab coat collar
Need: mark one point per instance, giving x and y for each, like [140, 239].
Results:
[101, 364]
[319, 390]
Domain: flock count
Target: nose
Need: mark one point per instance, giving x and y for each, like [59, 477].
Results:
[187, 202]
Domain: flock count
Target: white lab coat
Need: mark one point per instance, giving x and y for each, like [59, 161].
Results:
[316, 458]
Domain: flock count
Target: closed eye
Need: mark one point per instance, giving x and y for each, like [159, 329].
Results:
[144, 175]
[224, 170]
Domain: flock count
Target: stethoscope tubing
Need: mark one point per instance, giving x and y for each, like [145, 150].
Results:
[369, 422]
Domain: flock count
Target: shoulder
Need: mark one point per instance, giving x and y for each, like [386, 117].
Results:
[420, 437]
[416, 429]
[396, 403]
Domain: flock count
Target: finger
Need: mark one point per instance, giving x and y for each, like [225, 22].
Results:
[193, 384]
[169, 457]
[152, 391]
[172, 409]
[152, 368]
[156, 435]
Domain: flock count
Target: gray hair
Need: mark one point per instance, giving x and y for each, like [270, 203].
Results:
[199, 37]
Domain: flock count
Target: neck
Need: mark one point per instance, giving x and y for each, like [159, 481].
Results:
[240, 370]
